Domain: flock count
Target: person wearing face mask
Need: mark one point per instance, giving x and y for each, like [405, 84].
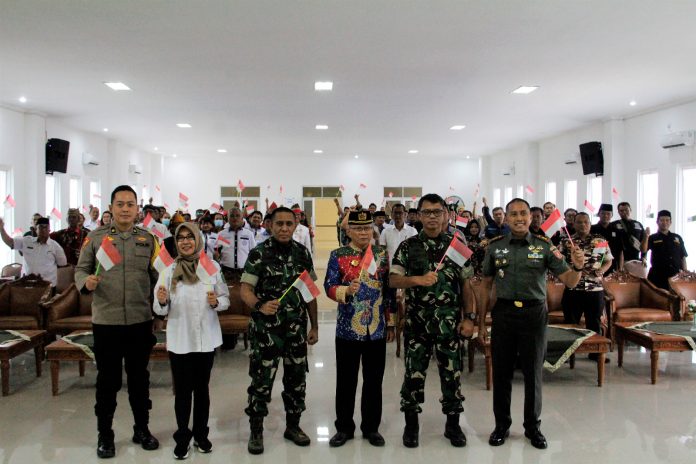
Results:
[193, 333]
[218, 222]
[162, 229]
[166, 218]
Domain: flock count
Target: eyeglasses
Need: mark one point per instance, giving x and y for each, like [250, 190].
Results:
[432, 212]
[362, 229]
[183, 238]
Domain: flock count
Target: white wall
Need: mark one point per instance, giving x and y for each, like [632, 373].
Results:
[200, 178]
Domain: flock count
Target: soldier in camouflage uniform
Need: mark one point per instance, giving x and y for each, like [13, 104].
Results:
[434, 319]
[588, 296]
[278, 330]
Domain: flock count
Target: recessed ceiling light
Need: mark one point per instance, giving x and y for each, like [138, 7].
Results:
[183, 125]
[467, 156]
[323, 85]
[633, 103]
[321, 127]
[156, 148]
[318, 152]
[22, 99]
[525, 89]
[356, 157]
[117, 86]
[106, 129]
[458, 127]
[413, 152]
[173, 155]
[221, 150]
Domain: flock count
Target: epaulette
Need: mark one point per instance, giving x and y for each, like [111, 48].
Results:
[541, 237]
[499, 237]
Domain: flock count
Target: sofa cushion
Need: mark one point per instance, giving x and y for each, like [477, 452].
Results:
[19, 323]
[69, 324]
[641, 315]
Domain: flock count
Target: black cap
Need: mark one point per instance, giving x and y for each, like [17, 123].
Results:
[606, 207]
[377, 214]
[42, 222]
[359, 218]
[663, 213]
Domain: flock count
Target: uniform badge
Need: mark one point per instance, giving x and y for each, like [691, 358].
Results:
[676, 241]
[556, 253]
[141, 239]
[501, 273]
[86, 242]
[354, 263]
[505, 251]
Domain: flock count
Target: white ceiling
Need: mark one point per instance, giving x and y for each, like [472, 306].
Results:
[404, 71]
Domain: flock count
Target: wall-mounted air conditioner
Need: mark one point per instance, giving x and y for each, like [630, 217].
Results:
[88, 159]
[135, 169]
[678, 139]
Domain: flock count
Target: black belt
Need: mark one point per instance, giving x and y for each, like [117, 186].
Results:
[522, 303]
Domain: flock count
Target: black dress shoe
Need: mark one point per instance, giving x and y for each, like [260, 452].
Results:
[375, 438]
[143, 437]
[498, 436]
[537, 439]
[340, 439]
[105, 445]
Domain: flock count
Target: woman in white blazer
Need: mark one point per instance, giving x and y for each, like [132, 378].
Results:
[190, 298]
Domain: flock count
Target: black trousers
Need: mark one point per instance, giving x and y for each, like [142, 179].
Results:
[578, 302]
[349, 354]
[518, 331]
[191, 375]
[114, 346]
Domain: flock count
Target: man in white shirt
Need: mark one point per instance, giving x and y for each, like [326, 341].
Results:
[42, 255]
[391, 237]
[301, 233]
[265, 232]
[92, 222]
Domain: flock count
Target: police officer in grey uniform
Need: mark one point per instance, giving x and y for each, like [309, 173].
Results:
[121, 318]
[518, 262]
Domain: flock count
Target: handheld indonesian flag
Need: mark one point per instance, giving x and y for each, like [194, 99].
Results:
[57, 214]
[18, 231]
[458, 252]
[85, 209]
[249, 209]
[308, 289]
[391, 194]
[157, 233]
[590, 209]
[240, 184]
[342, 187]
[600, 248]
[163, 260]
[183, 199]
[10, 202]
[553, 224]
[206, 268]
[281, 189]
[149, 222]
[529, 189]
[615, 193]
[368, 262]
[462, 221]
[223, 242]
[107, 255]
[96, 195]
[157, 187]
[363, 186]
[214, 208]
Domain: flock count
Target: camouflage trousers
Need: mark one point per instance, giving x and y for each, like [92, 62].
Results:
[418, 348]
[267, 349]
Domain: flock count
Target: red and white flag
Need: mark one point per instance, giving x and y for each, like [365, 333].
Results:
[9, 202]
[57, 214]
[214, 208]
[590, 209]
[615, 193]
[223, 242]
[458, 252]
[163, 260]
[281, 189]
[240, 185]
[157, 233]
[413, 198]
[85, 209]
[462, 221]
[363, 186]
[96, 195]
[157, 187]
[368, 262]
[206, 268]
[183, 199]
[391, 194]
[249, 209]
[600, 248]
[166, 206]
[308, 289]
[149, 221]
[553, 224]
[529, 189]
[108, 255]
[342, 188]
[17, 231]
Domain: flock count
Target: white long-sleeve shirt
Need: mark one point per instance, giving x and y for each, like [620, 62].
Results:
[302, 236]
[192, 325]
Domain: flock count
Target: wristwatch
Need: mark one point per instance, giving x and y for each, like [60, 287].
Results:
[258, 305]
[576, 269]
[470, 316]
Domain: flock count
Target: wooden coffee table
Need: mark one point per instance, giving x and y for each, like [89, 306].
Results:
[594, 344]
[15, 348]
[60, 350]
[648, 340]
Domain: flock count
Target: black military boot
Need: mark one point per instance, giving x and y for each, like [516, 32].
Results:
[255, 445]
[143, 437]
[454, 432]
[105, 444]
[410, 437]
[293, 432]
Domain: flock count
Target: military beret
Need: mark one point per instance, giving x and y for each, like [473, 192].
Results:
[42, 221]
[606, 207]
[359, 218]
[664, 213]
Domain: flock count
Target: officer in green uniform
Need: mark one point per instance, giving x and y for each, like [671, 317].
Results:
[121, 317]
[278, 329]
[518, 263]
[434, 319]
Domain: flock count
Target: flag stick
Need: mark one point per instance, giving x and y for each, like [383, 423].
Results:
[98, 268]
[568, 234]
[286, 291]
